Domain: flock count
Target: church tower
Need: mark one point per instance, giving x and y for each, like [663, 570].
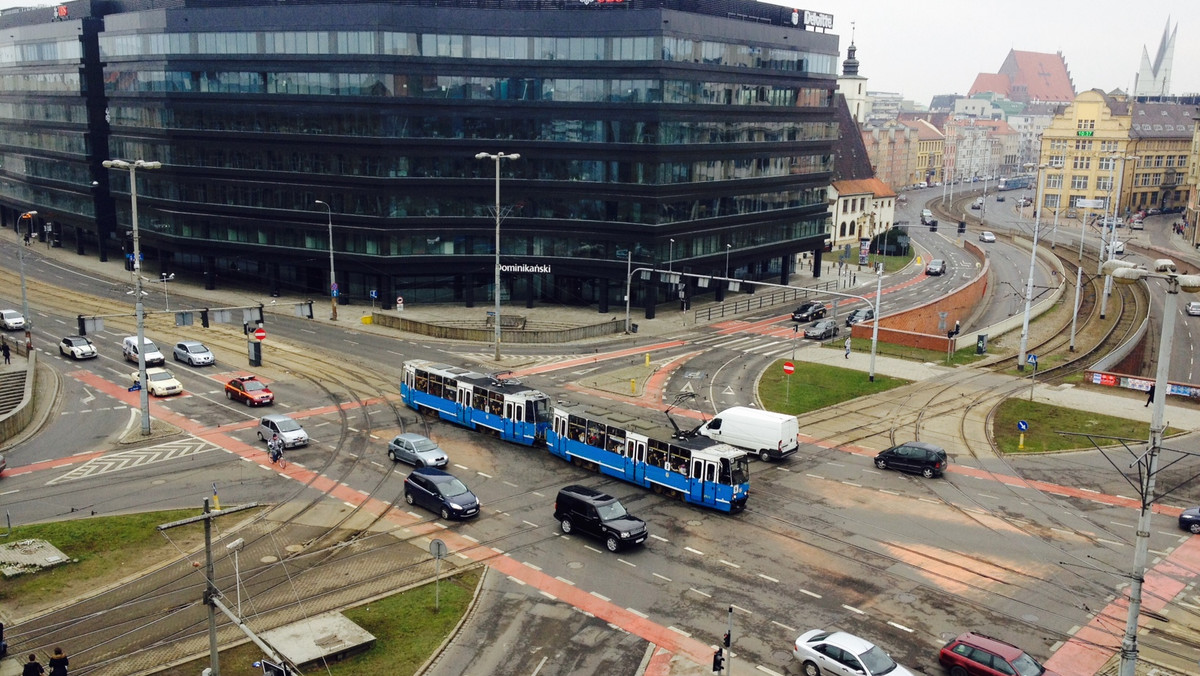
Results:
[853, 86]
[1154, 79]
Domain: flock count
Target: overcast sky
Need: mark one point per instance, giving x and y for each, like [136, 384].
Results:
[937, 47]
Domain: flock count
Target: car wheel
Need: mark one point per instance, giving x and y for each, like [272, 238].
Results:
[229, 395]
[250, 403]
[881, 463]
[612, 543]
[408, 497]
[927, 472]
[763, 455]
[446, 513]
[391, 455]
[261, 437]
[810, 669]
[175, 356]
[958, 671]
[1194, 528]
[565, 525]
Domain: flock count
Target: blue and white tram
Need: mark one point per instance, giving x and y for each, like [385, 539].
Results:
[512, 411]
[699, 470]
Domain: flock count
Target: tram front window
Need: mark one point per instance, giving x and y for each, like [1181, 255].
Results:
[741, 471]
[539, 410]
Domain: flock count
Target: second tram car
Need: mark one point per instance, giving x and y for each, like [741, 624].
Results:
[510, 410]
[697, 470]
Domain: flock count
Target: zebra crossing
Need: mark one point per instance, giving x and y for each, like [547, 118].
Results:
[513, 362]
[772, 343]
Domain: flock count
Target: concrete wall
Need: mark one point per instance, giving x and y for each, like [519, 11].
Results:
[13, 423]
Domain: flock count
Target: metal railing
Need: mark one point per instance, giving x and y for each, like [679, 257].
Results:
[760, 301]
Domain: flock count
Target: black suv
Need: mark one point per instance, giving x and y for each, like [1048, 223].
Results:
[579, 508]
[915, 456]
[808, 312]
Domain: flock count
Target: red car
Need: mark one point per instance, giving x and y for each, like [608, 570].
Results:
[250, 390]
[973, 654]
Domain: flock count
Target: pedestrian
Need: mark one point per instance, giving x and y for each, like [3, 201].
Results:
[1150, 397]
[33, 667]
[7, 353]
[847, 347]
[58, 663]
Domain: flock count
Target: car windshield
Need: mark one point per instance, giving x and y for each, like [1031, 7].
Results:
[76, 342]
[288, 425]
[254, 386]
[424, 445]
[877, 662]
[197, 349]
[612, 510]
[162, 375]
[1027, 666]
[452, 487]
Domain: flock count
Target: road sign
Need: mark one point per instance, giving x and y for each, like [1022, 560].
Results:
[374, 294]
[1023, 425]
[1091, 204]
[260, 333]
[1031, 359]
[135, 387]
[789, 368]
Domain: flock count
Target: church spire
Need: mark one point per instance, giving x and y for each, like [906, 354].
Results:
[850, 65]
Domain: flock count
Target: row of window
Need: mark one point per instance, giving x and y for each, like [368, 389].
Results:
[50, 50]
[489, 47]
[46, 83]
[379, 123]
[44, 112]
[466, 87]
[512, 243]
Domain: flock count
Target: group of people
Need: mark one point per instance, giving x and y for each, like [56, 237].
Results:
[58, 665]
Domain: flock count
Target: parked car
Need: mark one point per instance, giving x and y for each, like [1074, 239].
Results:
[159, 382]
[999, 198]
[1193, 308]
[194, 353]
[862, 314]
[289, 431]
[936, 266]
[978, 203]
[826, 328]
[584, 510]
[1118, 248]
[914, 456]
[77, 347]
[440, 492]
[837, 652]
[1189, 519]
[417, 450]
[1137, 224]
[973, 654]
[809, 311]
[12, 320]
[249, 390]
[987, 236]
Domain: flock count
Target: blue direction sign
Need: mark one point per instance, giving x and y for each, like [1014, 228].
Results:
[135, 387]
[1022, 425]
[374, 294]
[1031, 359]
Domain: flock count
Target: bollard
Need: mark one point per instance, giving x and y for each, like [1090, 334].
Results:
[647, 359]
[633, 385]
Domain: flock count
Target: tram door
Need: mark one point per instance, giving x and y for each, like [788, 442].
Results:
[514, 415]
[463, 408]
[635, 450]
[703, 478]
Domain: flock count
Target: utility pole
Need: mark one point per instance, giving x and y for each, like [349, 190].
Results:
[210, 587]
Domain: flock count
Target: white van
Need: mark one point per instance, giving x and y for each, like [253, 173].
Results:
[153, 356]
[765, 433]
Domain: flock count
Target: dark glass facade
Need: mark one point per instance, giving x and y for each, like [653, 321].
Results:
[686, 134]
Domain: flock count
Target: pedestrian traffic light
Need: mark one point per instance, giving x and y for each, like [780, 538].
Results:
[726, 640]
[204, 318]
[962, 227]
[82, 325]
[933, 226]
[718, 660]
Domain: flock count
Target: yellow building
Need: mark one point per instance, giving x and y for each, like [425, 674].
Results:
[1107, 148]
[930, 147]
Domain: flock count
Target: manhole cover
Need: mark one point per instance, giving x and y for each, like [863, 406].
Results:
[905, 598]
[574, 564]
[268, 559]
[695, 523]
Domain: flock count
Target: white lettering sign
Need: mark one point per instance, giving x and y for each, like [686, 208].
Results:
[818, 19]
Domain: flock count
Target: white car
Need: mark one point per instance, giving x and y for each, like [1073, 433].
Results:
[986, 236]
[289, 431]
[77, 347]
[193, 352]
[12, 320]
[160, 382]
[1193, 309]
[836, 652]
[1118, 248]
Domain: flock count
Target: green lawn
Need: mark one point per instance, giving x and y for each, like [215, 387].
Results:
[815, 386]
[1046, 422]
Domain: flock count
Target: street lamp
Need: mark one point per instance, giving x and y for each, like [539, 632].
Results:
[24, 300]
[164, 278]
[1112, 226]
[333, 288]
[727, 248]
[671, 255]
[1037, 222]
[497, 157]
[132, 168]
[1125, 272]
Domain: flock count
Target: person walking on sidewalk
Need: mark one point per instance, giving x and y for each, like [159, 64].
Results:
[33, 667]
[1150, 397]
[847, 347]
[58, 663]
[7, 353]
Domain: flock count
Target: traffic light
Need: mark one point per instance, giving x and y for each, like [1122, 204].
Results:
[726, 640]
[82, 325]
[204, 318]
[933, 226]
[962, 227]
[719, 660]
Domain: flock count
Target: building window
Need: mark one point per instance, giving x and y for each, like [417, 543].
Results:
[1058, 144]
[1108, 147]
[1054, 181]
[1107, 164]
[1057, 160]
[1104, 183]
[1079, 182]
[1083, 144]
[1081, 162]
[1085, 124]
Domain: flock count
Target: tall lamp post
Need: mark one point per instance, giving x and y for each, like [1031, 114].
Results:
[1111, 238]
[1125, 272]
[333, 288]
[497, 157]
[132, 168]
[1037, 222]
[24, 300]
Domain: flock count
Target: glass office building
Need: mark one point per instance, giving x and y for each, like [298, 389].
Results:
[683, 134]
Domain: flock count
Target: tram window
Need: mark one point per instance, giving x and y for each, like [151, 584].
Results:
[495, 403]
[422, 382]
[710, 471]
[479, 400]
[576, 429]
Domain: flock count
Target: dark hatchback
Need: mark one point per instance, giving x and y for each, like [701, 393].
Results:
[914, 456]
[808, 312]
[440, 492]
[1189, 519]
